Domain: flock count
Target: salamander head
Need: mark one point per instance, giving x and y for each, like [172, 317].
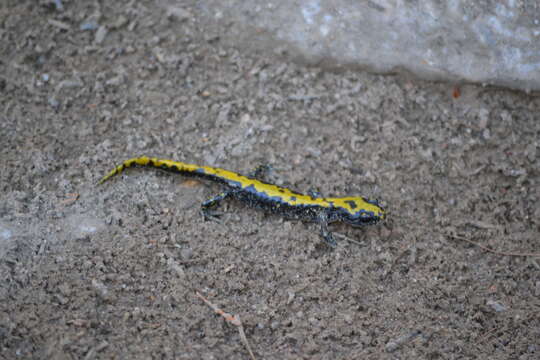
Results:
[358, 211]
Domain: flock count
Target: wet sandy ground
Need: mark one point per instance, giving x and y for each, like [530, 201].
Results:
[113, 271]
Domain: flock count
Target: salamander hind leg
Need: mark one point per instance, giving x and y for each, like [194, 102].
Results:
[206, 206]
[322, 219]
[260, 171]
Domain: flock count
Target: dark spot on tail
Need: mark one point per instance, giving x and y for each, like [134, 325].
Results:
[352, 204]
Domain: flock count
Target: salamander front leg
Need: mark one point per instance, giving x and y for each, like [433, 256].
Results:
[208, 204]
[260, 171]
[325, 233]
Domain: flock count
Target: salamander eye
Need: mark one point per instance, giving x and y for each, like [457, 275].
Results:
[373, 202]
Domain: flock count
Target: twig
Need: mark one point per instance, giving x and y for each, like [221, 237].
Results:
[488, 334]
[482, 225]
[235, 320]
[396, 343]
[485, 248]
[72, 197]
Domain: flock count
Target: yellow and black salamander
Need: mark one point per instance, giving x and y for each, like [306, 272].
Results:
[354, 210]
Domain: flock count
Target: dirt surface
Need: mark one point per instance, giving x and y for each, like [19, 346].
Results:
[112, 271]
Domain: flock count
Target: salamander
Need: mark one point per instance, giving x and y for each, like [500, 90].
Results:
[353, 210]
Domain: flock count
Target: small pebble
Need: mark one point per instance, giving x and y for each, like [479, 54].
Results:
[88, 25]
[177, 13]
[59, 5]
[120, 21]
[59, 24]
[100, 34]
[54, 103]
[69, 84]
[495, 305]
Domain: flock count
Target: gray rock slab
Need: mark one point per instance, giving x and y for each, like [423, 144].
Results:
[487, 42]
